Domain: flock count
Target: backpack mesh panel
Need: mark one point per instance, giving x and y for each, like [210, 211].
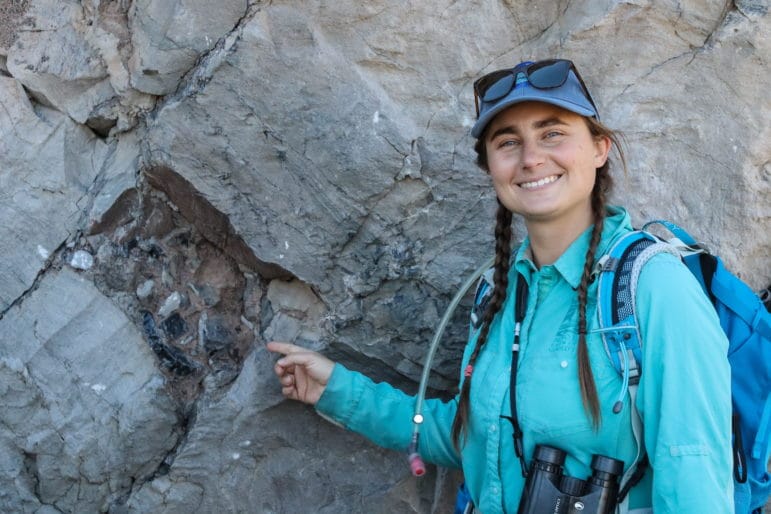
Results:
[623, 301]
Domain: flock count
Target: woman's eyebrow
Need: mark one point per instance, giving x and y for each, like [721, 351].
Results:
[539, 124]
[508, 129]
[548, 122]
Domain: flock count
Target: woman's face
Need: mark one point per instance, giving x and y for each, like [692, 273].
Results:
[543, 162]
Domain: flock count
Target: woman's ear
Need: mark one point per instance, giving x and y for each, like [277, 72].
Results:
[601, 150]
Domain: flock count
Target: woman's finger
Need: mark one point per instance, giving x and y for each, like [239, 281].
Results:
[285, 348]
[302, 358]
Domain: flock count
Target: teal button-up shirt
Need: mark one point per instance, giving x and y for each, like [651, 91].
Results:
[683, 396]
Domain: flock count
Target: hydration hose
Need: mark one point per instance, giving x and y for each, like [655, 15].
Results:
[417, 466]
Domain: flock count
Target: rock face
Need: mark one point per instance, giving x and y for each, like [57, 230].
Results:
[182, 183]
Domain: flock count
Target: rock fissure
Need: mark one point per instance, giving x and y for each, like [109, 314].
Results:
[195, 79]
[49, 264]
[729, 7]
[401, 153]
[653, 70]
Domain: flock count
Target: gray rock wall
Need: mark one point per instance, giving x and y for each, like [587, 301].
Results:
[182, 182]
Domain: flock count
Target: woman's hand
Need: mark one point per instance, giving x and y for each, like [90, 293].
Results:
[303, 374]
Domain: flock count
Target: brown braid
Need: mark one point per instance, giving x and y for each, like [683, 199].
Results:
[500, 284]
[585, 377]
[602, 186]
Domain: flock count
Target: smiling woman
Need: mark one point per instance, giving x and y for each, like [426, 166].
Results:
[536, 384]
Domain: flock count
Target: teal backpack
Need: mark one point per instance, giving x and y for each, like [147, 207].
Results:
[744, 318]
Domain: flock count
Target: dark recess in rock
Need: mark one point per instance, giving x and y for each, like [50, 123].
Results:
[171, 358]
[212, 223]
[174, 326]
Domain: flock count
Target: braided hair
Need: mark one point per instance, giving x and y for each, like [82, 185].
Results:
[602, 187]
[500, 284]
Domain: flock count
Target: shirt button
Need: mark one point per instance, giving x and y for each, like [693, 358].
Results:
[493, 427]
[564, 364]
[495, 490]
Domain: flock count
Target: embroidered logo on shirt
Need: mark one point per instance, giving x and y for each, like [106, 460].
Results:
[567, 333]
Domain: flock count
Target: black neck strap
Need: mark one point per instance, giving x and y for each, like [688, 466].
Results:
[519, 315]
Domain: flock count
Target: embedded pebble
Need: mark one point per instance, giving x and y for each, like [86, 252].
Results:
[145, 289]
[82, 260]
[171, 304]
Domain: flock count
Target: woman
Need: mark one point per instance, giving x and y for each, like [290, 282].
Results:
[540, 140]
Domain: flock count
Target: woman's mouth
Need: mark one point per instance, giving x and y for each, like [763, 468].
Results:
[538, 183]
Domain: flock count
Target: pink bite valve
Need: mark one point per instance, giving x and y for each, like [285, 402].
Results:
[416, 465]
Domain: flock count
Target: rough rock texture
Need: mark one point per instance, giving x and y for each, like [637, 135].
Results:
[85, 413]
[181, 183]
[49, 165]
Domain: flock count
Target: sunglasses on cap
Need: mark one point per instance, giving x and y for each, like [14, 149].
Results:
[548, 74]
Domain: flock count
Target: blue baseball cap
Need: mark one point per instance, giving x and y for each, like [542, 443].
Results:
[509, 87]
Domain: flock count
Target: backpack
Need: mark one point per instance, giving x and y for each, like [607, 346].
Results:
[744, 318]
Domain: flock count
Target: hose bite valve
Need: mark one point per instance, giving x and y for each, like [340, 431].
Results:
[417, 466]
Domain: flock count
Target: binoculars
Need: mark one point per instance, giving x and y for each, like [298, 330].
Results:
[549, 491]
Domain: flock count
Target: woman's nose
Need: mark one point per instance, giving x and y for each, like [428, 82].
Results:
[532, 155]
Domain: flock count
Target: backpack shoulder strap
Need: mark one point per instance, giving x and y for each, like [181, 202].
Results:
[482, 296]
[619, 271]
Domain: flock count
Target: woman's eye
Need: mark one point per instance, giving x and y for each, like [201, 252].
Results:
[552, 134]
[508, 143]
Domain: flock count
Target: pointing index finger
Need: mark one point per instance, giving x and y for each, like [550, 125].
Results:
[284, 348]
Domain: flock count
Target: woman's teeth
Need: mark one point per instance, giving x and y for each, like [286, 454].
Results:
[538, 183]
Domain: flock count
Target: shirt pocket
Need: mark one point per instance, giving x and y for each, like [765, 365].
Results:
[549, 398]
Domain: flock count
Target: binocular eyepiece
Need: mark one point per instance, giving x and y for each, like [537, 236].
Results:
[549, 491]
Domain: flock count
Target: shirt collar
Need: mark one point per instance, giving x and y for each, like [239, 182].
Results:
[571, 263]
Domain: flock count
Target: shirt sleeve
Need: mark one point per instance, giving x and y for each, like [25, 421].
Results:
[383, 414]
[684, 396]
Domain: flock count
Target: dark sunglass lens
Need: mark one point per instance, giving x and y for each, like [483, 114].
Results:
[483, 84]
[548, 75]
[499, 89]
